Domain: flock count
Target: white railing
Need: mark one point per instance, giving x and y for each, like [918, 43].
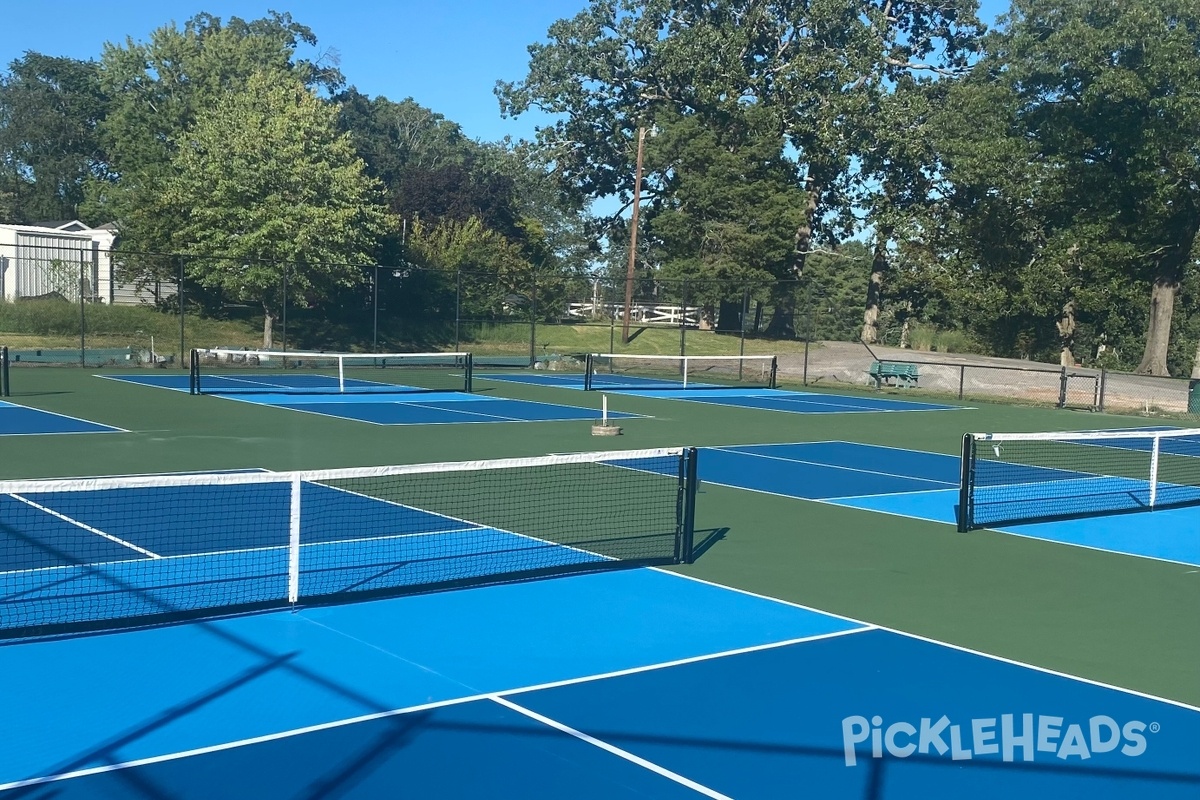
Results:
[641, 313]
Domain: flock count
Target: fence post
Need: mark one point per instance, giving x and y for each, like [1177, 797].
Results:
[962, 377]
[683, 321]
[612, 332]
[532, 319]
[1062, 389]
[457, 308]
[82, 314]
[375, 311]
[742, 325]
[1103, 386]
[285, 305]
[808, 325]
[179, 296]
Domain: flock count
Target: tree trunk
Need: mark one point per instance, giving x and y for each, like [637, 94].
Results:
[268, 328]
[783, 317]
[1162, 294]
[1158, 334]
[879, 267]
[803, 239]
[1066, 335]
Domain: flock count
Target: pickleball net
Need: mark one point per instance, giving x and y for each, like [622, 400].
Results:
[221, 371]
[87, 554]
[615, 371]
[1012, 478]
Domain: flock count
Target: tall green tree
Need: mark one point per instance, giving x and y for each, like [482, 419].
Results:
[1110, 92]
[269, 194]
[817, 66]
[162, 87]
[723, 208]
[50, 109]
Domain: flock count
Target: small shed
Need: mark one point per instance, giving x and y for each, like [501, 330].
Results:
[66, 259]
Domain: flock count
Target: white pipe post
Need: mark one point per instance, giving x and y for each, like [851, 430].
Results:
[1154, 469]
[294, 541]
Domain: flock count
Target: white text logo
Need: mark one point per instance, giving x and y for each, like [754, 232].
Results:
[1011, 736]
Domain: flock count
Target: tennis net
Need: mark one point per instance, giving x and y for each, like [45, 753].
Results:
[628, 371]
[99, 553]
[1010, 478]
[219, 371]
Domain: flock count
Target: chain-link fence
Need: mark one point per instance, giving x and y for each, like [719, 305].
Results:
[67, 301]
[1064, 387]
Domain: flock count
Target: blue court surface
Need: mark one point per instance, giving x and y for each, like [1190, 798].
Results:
[404, 407]
[924, 486]
[18, 420]
[635, 683]
[765, 399]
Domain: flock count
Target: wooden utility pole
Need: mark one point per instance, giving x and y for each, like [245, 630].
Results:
[633, 232]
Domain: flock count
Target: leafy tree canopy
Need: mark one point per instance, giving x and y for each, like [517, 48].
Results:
[50, 109]
[266, 185]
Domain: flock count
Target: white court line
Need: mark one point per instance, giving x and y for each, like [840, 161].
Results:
[960, 648]
[297, 407]
[498, 417]
[612, 749]
[838, 500]
[803, 397]
[110, 428]
[842, 410]
[830, 466]
[263, 549]
[324, 726]
[834, 501]
[754, 648]
[86, 527]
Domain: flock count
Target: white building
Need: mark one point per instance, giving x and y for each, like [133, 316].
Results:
[67, 259]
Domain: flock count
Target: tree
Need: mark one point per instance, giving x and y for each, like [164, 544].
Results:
[1109, 91]
[269, 192]
[723, 208]
[816, 66]
[50, 109]
[162, 87]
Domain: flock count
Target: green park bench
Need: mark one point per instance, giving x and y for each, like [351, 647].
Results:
[891, 373]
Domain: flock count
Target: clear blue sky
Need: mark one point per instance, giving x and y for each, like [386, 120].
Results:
[445, 54]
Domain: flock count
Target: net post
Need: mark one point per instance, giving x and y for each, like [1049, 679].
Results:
[341, 374]
[4, 390]
[294, 542]
[1155, 448]
[194, 372]
[469, 373]
[684, 367]
[966, 511]
[589, 364]
[773, 379]
[688, 532]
